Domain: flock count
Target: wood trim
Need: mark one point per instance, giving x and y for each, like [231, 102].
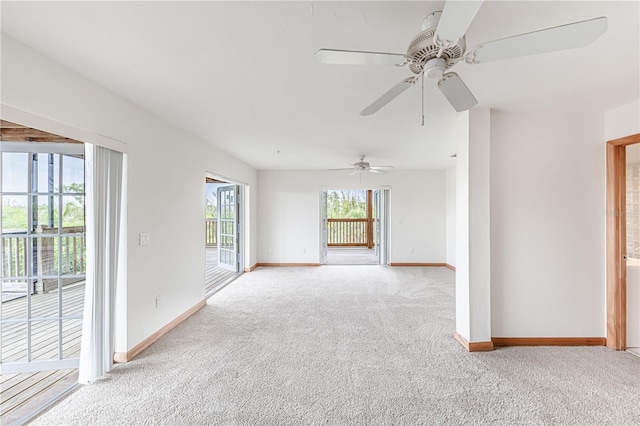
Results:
[137, 349]
[616, 247]
[473, 346]
[418, 264]
[287, 265]
[453, 268]
[252, 268]
[549, 341]
[627, 140]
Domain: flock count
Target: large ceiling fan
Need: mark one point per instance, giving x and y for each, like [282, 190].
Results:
[442, 44]
[364, 166]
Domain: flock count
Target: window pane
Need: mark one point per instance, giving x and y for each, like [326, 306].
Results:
[48, 173]
[45, 256]
[72, 297]
[72, 174]
[14, 252]
[44, 340]
[14, 299]
[46, 218]
[14, 341]
[14, 172]
[73, 254]
[14, 214]
[71, 334]
[44, 301]
[73, 213]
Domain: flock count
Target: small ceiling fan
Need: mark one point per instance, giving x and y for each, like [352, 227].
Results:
[442, 44]
[364, 166]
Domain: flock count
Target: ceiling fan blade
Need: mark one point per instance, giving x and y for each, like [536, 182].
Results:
[390, 95]
[569, 36]
[456, 18]
[354, 172]
[354, 57]
[375, 171]
[333, 170]
[458, 94]
[381, 167]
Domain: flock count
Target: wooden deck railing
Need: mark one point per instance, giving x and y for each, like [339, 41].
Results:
[211, 232]
[67, 259]
[349, 232]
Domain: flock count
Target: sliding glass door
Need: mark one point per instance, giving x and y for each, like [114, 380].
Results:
[42, 255]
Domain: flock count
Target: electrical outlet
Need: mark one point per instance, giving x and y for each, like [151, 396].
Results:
[157, 302]
[304, 250]
[270, 250]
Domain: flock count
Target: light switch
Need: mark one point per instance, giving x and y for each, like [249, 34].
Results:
[144, 238]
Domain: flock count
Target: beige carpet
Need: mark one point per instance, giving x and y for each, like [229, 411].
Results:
[350, 345]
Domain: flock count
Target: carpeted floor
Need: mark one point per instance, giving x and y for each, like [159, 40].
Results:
[350, 345]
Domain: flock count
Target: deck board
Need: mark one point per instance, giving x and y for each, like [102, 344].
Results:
[214, 275]
[22, 393]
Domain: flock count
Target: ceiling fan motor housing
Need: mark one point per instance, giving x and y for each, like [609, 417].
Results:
[422, 50]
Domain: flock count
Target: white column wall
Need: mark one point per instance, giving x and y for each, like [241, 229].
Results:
[289, 221]
[451, 215]
[547, 225]
[166, 180]
[473, 254]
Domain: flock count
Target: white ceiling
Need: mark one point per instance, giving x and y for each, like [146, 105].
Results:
[241, 75]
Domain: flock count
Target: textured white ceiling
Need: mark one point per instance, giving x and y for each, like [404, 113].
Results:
[241, 75]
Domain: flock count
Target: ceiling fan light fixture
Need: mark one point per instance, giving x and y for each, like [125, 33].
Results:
[434, 68]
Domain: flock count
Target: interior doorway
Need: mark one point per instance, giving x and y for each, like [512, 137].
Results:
[223, 233]
[354, 228]
[623, 244]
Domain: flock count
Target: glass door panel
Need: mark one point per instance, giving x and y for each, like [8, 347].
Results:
[42, 259]
[227, 244]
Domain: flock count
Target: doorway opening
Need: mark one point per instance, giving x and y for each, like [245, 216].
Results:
[43, 263]
[223, 233]
[623, 244]
[354, 227]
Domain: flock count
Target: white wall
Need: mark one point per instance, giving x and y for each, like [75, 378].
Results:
[622, 121]
[450, 186]
[289, 220]
[547, 225]
[166, 181]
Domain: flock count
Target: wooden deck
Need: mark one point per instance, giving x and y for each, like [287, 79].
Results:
[351, 256]
[215, 276]
[23, 393]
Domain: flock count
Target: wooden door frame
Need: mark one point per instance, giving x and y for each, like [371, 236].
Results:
[616, 268]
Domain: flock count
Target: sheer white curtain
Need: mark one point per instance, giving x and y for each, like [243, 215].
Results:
[103, 217]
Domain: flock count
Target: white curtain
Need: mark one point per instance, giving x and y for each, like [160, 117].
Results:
[103, 217]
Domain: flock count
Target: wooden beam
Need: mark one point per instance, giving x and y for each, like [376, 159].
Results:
[12, 132]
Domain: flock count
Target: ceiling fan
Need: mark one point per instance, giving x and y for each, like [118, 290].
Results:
[364, 166]
[442, 44]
